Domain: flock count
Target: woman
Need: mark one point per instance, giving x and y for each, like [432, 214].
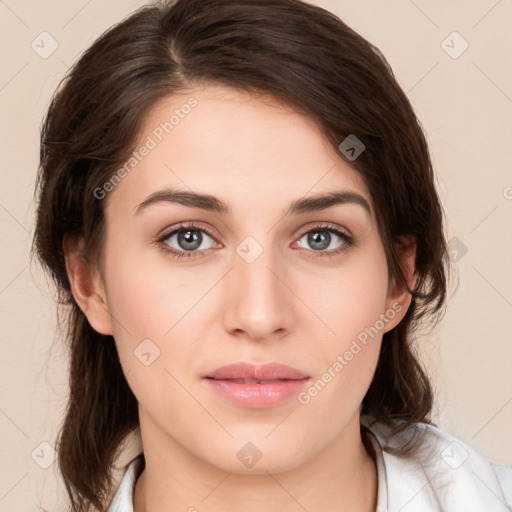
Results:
[237, 203]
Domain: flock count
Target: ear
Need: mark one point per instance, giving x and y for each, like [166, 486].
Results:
[399, 299]
[86, 285]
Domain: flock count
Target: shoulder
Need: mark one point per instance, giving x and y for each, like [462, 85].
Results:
[440, 473]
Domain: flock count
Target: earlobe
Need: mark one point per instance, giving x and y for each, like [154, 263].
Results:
[86, 285]
[397, 294]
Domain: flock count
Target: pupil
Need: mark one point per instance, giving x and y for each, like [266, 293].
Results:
[319, 237]
[188, 240]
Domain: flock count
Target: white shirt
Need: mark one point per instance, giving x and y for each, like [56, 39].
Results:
[443, 475]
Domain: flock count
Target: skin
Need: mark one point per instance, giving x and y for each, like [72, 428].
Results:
[289, 305]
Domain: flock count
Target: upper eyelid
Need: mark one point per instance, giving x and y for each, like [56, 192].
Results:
[324, 225]
[167, 232]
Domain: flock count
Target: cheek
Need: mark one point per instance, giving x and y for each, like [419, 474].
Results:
[148, 294]
[154, 308]
[352, 298]
[348, 357]
[352, 306]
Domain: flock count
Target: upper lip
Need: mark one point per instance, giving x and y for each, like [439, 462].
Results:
[267, 371]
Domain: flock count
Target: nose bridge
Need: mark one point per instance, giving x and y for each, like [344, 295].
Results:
[260, 302]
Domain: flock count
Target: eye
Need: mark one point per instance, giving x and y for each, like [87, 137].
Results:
[324, 237]
[191, 240]
[186, 240]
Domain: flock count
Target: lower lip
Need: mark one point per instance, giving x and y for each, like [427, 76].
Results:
[257, 396]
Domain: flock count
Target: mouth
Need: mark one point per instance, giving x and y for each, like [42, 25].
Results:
[256, 387]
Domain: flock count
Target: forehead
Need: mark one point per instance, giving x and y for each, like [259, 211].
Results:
[229, 143]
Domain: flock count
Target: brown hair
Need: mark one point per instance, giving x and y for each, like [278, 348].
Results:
[302, 55]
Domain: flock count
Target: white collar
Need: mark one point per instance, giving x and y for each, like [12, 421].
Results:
[443, 475]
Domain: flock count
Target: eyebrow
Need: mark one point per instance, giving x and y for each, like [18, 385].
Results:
[211, 203]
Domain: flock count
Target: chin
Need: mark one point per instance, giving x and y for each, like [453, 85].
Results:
[255, 457]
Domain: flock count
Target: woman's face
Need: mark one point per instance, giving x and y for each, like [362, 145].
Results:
[271, 277]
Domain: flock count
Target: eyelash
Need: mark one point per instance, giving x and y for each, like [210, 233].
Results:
[348, 241]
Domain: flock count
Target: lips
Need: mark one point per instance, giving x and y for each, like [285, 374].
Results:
[256, 386]
[250, 372]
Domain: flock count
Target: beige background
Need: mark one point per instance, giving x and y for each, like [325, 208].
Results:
[465, 105]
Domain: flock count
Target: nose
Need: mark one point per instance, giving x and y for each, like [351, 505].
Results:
[260, 303]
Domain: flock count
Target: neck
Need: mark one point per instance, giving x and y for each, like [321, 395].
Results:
[342, 476]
